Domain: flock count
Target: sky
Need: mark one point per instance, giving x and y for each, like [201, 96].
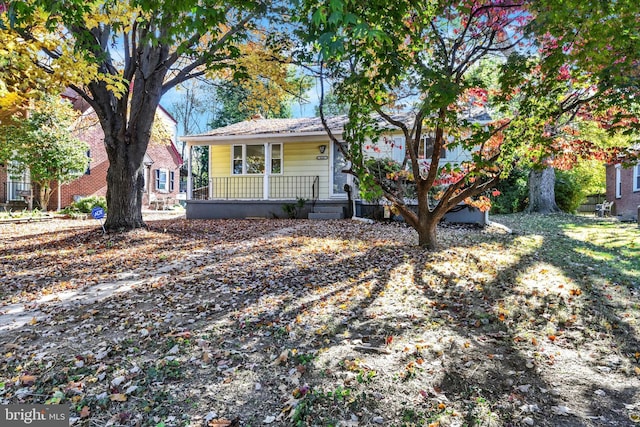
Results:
[297, 109]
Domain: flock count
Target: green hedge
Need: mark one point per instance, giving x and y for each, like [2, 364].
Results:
[86, 204]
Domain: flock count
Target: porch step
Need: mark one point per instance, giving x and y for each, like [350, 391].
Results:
[325, 215]
[326, 212]
[328, 209]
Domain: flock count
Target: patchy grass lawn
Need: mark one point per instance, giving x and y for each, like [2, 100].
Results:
[337, 323]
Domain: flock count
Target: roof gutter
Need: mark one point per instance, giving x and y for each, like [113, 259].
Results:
[226, 139]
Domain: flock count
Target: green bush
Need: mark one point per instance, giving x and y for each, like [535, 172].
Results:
[569, 191]
[514, 193]
[86, 204]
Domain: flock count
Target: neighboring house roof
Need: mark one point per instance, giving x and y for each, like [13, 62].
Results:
[304, 126]
[167, 113]
[163, 152]
[89, 130]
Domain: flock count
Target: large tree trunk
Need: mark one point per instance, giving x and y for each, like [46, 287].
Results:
[125, 186]
[125, 176]
[427, 233]
[426, 221]
[542, 196]
[127, 133]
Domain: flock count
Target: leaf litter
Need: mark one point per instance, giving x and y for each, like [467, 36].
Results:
[295, 322]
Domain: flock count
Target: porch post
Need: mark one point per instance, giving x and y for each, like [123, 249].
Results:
[267, 171]
[209, 173]
[189, 178]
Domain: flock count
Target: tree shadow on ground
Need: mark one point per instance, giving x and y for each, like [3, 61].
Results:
[374, 326]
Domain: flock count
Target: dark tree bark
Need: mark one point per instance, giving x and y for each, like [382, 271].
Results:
[542, 196]
[157, 57]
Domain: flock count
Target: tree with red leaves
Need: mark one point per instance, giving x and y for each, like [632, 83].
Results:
[421, 58]
[425, 58]
[587, 71]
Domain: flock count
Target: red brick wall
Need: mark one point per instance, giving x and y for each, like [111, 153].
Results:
[164, 157]
[3, 183]
[627, 205]
[95, 183]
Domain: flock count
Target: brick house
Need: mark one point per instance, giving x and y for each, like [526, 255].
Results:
[623, 188]
[162, 164]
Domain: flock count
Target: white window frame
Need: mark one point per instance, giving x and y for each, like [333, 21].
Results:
[425, 148]
[272, 158]
[399, 149]
[159, 173]
[268, 159]
[636, 177]
[618, 179]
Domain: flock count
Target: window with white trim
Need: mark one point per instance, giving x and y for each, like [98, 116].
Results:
[162, 180]
[425, 150]
[618, 181]
[251, 160]
[276, 158]
[398, 149]
[636, 177]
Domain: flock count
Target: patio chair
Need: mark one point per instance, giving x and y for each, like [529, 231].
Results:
[604, 209]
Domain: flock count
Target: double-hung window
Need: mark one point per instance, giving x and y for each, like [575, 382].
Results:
[162, 180]
[276, 158]
[252, 159]
[636, 177]
[425, 150]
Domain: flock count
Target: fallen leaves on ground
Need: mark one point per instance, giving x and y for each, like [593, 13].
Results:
[294, 322]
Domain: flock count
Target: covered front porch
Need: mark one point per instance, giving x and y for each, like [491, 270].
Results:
[262, 187]
[269, 168]
[263, 197]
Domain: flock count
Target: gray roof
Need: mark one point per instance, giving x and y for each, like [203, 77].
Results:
[268, 126]
[260, 126]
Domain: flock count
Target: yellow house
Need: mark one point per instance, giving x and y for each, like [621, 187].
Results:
[259, 166]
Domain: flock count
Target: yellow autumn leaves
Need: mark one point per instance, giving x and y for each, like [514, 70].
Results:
[27, 72]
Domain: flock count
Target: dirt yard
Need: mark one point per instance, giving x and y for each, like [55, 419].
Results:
[336, 323]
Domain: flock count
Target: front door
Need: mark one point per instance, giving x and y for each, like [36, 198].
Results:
[338, 177]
